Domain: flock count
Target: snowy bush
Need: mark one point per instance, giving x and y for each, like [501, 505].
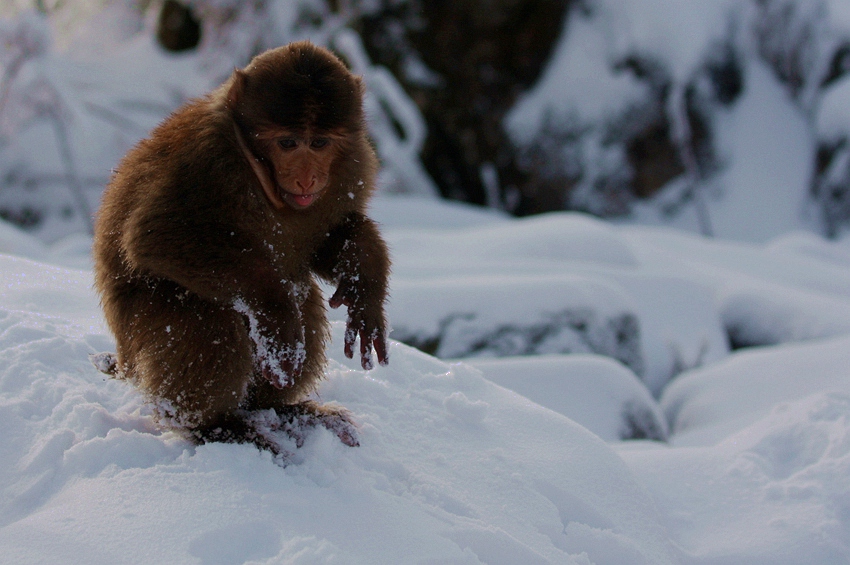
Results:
[644, 112]
[30, 100]
[68, 115]
[64, 123]
[657, 112]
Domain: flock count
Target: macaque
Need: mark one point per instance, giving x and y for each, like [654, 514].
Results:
[210, 238]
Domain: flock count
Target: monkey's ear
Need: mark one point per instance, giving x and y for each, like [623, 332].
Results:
[360, 83]
[259, 170]
[236, 93]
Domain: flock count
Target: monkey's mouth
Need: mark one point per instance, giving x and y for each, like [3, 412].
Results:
[299, 201]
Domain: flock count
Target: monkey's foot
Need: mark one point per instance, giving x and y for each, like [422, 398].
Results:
[296, 419]
[280, 430]
[334, 419]
[106, 363]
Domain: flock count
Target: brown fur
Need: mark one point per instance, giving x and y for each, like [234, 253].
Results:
[207, 282]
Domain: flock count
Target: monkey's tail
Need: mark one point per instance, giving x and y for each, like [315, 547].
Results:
[106, 363]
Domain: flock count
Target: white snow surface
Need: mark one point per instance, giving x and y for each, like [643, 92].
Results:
[499, 460]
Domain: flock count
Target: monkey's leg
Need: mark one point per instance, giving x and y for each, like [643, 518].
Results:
[192, 357]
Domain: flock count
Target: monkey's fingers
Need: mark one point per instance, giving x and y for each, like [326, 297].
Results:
[351, 335]
[269, 375]
[369, 336]
[381, 348]
[366, 351]
[342, 426]
[340, 297]
[350, 338]
[282, 372]
[378, 339]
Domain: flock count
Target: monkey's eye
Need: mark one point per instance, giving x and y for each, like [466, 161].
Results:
[319, 142]
[288, 143]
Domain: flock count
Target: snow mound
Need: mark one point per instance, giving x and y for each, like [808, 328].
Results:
[595, 391]
[707, 404]
[517, 315]
[451, 468]
[780, 485]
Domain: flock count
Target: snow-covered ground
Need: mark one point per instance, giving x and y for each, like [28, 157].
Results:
[499, 460]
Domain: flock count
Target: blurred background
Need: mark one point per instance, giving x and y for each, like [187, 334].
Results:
[728, 118]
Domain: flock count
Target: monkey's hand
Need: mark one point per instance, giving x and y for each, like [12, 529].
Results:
[282, 365]
[366, 320]
[278, 348]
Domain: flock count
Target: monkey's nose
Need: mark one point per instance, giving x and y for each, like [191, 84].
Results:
[306, 185]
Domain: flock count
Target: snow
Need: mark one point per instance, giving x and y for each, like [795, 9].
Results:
[596, 384]
[648, 27]
[572, 83]
[94, 482]
[772, 492]
[834, 111]
[710, 402]
[486, 460]
[771, 157]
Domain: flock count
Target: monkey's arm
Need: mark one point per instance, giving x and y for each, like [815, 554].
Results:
[356, 259]
[211, 257]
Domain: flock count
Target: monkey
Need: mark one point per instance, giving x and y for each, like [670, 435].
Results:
[213, 233]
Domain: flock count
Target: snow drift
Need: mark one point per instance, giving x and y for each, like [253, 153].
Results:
[501, 460]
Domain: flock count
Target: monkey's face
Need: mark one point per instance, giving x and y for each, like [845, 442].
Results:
[293, 166]
[300, 163]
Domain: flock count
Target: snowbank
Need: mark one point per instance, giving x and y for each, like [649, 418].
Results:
[452, 468]
[595, 391]
[497, 460]
[775, 491]
[657, 300]
[705, 405]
